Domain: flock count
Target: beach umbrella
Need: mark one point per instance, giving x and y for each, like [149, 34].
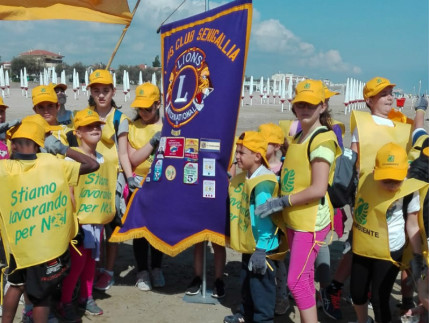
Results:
[290, 91]
[261, 89]
[282, 92]
[251, 87]
[21, 81]
[2, 82]
[140, 78]
[275, 91]
[346, 100]
[25, 82]
[40, 78]
[74, 83]
[6, 81]
[243, 91]
[87, 81]
[268, 88]
[45, 77]
[77, 82]
[114, 79]
[54, 76]
[154, 79]
[124, 85]
[63, 77]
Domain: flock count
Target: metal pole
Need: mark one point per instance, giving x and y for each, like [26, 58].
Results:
[122, 36]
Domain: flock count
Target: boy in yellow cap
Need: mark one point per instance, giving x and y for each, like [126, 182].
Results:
[4, 126]
[45, 103]
[94, 206]
[35, 211]
[379, 230]
[254, 237]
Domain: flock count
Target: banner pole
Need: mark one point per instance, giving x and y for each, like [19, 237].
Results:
[122, 36]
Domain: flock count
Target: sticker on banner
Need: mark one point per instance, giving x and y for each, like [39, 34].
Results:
[174, 147]
[209, 189]
[161, 148]
[158, 170]
[191, 171]
[191, 149]
[210, 145]
[170, 173]
[209, 167]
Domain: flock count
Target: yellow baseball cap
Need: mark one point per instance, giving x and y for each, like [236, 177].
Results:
[255, 142]
[375, 85]
[272, 133]
[329, 93]
[2, 103]
[43, 93]
[146, 94]
[86, 117]
[391, 163]
[100, 77]
[309, 91]
[32, 127]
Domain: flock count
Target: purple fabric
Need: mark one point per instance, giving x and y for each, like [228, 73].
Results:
[173, 210]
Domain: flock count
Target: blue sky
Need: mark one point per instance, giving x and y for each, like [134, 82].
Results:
[332, 39]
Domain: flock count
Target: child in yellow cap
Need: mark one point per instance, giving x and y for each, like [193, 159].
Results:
[37, 183]
[254, 237]
[94, 206]
[113, 146]
[304, 203]
[143, 137]
[379, 231]
[4, 126]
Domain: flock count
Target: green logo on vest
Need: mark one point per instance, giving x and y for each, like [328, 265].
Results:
[288, 180]
[360, 212]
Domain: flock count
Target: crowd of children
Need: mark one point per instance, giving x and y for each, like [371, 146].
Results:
[98, 157]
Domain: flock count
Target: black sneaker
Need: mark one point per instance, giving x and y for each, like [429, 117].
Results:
[218, 291]
[195, 287]
[331, 302]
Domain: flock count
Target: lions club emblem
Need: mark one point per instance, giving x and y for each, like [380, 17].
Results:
[189, 86]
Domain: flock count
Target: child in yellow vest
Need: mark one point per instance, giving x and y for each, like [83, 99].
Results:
[4, 126]
[45, 103]
[370, 131]
[143, 137]
[39, 183]
[275, 138]
[254, 237]
[113, 147]
[94, 206]
[304, 203]
[379, 230]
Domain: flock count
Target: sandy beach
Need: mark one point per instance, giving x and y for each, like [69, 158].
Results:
[125, 303]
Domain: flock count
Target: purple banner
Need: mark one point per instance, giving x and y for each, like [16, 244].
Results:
[184, 199]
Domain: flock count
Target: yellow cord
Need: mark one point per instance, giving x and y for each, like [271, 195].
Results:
[73, 243]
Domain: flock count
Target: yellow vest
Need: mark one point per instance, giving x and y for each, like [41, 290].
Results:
[296, 176]
[106, 145]
[370, 231]
[95, 195]
[415, 151]
[139, 135]
[373, 136]
[240, 189]
[37, 221]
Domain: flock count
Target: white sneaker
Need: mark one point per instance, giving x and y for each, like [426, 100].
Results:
[143, 281]
[158, 278]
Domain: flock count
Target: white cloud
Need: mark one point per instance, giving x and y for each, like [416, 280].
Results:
[271, 36]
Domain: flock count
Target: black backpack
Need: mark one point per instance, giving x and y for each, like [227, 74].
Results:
[342, 190]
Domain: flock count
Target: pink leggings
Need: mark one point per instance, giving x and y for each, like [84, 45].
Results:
[83, 267]
[301, 269]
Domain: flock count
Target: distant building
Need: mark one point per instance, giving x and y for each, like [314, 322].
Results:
[49, 59]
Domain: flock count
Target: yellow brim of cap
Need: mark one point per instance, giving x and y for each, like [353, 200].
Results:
[389, 173]
[142, 103]
[88, 122]
[305, 97]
